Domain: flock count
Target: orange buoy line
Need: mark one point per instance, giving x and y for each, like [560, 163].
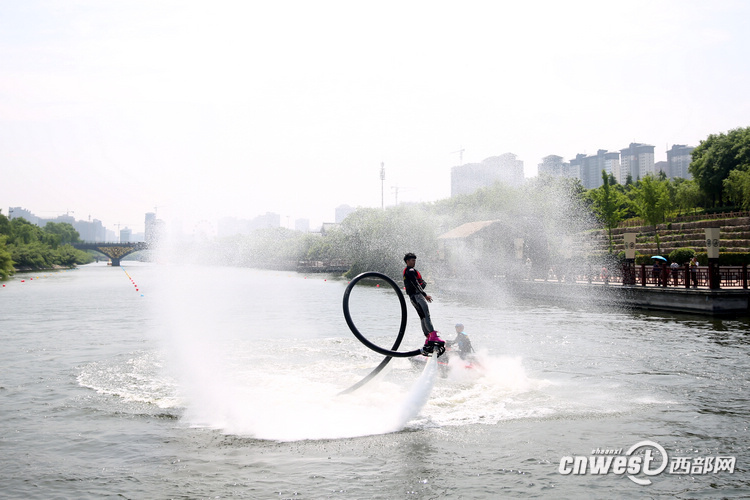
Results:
[130, 278]
[32, 278]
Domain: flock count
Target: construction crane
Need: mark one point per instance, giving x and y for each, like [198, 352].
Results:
[396, 189]
[460, 155]
[382, 180]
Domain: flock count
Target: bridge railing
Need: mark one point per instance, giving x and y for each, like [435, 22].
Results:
[111, 243]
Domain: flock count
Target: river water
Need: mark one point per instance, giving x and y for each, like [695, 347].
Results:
[157, 381]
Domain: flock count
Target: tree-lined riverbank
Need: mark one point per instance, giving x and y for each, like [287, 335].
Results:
[27, 247]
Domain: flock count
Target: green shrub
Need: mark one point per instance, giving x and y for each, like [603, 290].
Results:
[681, 255]
[733, 258]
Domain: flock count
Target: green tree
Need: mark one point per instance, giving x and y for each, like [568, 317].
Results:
[66, 255]
[5, 227]
[737, 188]
[275, 247]
[6, 260]
[608, 205]
[23, 231]
[31, 247]
[376, 240]
[484, 204]
[652, 203]
[716, 157]
[329, 247]
[66, 232]
[687, 195]
[33, 255]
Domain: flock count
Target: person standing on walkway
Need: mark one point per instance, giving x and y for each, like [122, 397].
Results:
[694, 271]
[656, 273]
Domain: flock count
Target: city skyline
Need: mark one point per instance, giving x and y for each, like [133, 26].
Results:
[202, 111]
[468, 181]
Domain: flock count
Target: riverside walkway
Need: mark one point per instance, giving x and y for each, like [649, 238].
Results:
[729, 277]
[676, 290]
[606, 290]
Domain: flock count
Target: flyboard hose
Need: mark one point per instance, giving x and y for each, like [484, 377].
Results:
[389, 353]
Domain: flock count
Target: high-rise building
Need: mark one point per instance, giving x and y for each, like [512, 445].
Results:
[150, 226]
[342, 212]
[678, 161]
[90, 231]
[589, 168]
[637, 160]
[155, 229]
[611, 164]
[17, 212]
[661, 166]
[268, 220]
[554, 165]
[232, 226]
[467, 178]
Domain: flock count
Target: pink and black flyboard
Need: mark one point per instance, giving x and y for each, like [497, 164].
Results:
[452, 359]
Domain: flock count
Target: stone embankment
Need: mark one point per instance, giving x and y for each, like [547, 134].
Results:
[682, 232]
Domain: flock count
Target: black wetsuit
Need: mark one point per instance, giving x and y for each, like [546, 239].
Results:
[464, 345]
[415, 286]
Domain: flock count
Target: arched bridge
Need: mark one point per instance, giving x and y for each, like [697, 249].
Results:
[115, 251]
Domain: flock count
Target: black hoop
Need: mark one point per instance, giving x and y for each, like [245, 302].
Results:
[390, 354]
[402, 329]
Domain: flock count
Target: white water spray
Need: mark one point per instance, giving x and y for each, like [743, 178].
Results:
[247, 365]
[419, 393]
[279, 406]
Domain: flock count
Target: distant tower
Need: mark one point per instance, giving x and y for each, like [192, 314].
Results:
[342, 212]
[467, 178]
[382, 182]
[678, 160]
[553, 165]
[637, 160]
[150, 235]
[460, 155]
[588, 168]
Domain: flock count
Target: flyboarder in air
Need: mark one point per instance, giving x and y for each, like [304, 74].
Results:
[415, 286]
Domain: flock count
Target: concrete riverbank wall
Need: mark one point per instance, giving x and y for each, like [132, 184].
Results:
[578, 294]
[698, 301]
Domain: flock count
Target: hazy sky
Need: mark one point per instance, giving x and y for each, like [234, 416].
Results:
[207, 109]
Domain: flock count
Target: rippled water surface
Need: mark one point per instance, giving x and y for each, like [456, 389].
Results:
[175, 382]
